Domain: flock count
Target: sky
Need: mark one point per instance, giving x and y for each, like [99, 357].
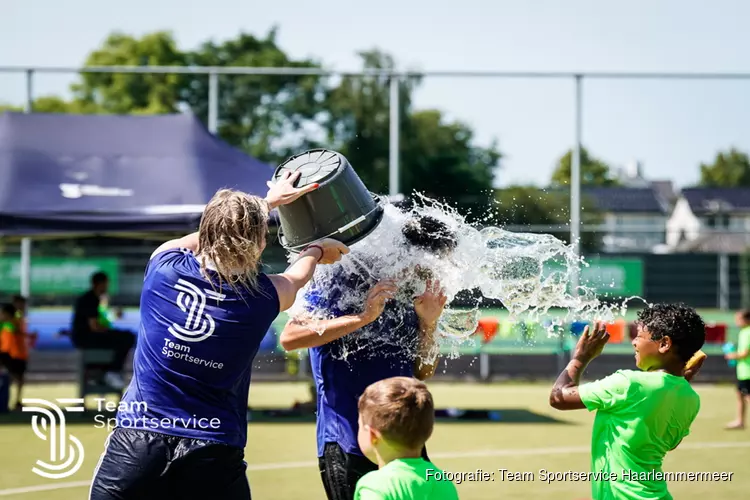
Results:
[670, 126]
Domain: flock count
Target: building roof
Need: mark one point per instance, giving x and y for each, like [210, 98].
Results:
[705, 200]
[626, 199]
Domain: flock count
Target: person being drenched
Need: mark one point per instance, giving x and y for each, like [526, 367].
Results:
[371, 322]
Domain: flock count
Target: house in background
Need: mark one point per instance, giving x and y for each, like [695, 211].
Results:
[634, 213]
[710, 220]
[634, 218]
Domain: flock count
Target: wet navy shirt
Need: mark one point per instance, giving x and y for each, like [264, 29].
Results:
[343, 369]
[193, 360]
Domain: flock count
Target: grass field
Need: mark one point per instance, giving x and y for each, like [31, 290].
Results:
[282, 463]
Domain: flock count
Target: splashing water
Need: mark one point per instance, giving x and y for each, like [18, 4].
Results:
[528, 273]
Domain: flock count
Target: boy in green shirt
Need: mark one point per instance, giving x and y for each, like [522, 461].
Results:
[641, 415]
[396, 418]
[742, 356]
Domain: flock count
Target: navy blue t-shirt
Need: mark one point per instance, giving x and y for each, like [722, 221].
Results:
[195, 349]
[343, 369]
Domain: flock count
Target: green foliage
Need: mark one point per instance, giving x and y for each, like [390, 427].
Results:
[531, 206]
[256, 112]
[273, 117]
[121, 93]
[594, 172]
[729, 169]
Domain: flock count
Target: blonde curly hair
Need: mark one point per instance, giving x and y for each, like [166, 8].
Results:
[232, 236]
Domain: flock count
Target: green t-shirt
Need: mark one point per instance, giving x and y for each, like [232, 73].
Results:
[640, 417]
[406, 479]
[743, 344]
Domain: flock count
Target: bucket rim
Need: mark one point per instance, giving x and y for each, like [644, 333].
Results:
[379, 211]
[326, 181]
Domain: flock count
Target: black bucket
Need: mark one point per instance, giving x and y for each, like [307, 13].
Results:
[341, 208]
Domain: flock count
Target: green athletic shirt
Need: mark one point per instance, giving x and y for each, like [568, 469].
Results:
[743, 344]
[406, 479]
[640, 417]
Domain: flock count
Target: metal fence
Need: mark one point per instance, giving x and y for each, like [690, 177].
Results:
[211, 79]
[61, 270]
[214, 97]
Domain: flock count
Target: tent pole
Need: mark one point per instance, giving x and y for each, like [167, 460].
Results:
[393, 144]
[26, 242]
[26, 267]
[213, 102]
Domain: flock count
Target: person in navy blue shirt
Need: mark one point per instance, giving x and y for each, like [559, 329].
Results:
[360, 344]
[205, 307]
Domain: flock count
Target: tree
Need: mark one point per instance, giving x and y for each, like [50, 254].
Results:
[437, 157]
[10, 107]
[594, 172]
[55, 104]
[273, 117]
[729, 169]
[131, 93]
[266, 115]
[359, 119]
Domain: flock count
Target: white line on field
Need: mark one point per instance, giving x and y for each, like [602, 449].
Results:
[560, 450]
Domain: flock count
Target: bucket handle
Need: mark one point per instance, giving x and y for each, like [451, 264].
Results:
[349, 225]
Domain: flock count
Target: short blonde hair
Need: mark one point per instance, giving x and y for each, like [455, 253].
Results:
[231, 237]
[401, 408]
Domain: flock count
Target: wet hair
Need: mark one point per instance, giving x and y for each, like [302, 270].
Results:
[9, 309]
[231, 237]
[680, 323]
[401, 408]
[745, 315]
[19, 299]
[99, 278]
[430, 234]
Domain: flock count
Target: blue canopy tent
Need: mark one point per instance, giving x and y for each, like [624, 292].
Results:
[103, 174]
[65, 175]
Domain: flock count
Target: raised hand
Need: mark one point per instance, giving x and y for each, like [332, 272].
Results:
[376, 299]
[590, 345]
[429, 306]
[283, 192]
[333, 250]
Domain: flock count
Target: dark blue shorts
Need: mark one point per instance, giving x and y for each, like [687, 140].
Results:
[340, 471]
[144, 465]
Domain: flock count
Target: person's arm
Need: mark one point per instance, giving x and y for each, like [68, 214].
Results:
[427, 344]
[565, 394]
[743, 347]
[738, 355]
[189, 242]
[428, 306]
[292, 280]
[279, 193]
[303, 335]
[91, 313]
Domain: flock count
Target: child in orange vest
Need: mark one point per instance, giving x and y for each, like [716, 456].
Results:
[14, 347]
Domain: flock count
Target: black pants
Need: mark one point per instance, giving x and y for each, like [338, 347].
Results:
[120, 341]
[143, 465]
[340, 471]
